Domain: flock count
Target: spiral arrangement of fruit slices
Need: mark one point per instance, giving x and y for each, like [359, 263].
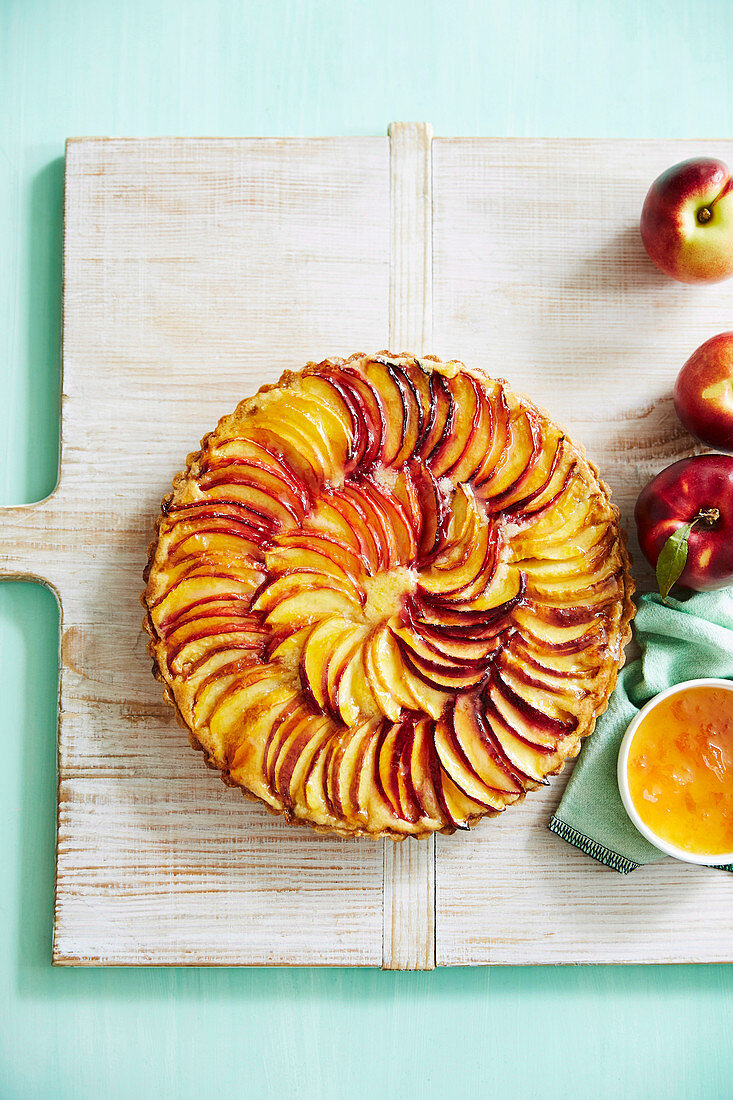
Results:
[388, 596]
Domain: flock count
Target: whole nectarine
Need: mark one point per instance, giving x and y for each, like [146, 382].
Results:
[703, 393]
[692, 498]
[687, 221]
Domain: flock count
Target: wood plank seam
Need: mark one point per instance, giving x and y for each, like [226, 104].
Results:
[408, 941]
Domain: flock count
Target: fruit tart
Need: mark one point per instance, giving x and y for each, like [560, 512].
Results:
[388, 596]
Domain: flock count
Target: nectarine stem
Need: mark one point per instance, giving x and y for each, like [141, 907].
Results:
[704, 214]
[708, 516]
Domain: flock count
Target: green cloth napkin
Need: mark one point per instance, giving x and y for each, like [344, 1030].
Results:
[680, 640]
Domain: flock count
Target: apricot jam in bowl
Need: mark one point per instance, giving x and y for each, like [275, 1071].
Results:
[675, 771]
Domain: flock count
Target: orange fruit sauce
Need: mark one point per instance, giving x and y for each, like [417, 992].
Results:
[680, 770]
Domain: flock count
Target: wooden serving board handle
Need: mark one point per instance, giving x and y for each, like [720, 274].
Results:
[30, 542]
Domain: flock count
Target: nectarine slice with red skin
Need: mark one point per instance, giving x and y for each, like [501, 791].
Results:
[471, 655]
[395, 519]
[457, 622]
[300, 582]
[221, 604]
[294, 715]
[522, 451]
[390, 751]
[372, 797]
[461, 808]
[299, 607]
[325, 546]
[535, 701]
[377, 522]
[292, 452]
[466, 580]
[565, 666]
[344, 772]
[325, 521]
[297, 752]
[394, 408]
[413, 416]
[301, 444]
[246, 479]
[235, 512]
[253, 452]
[463, 421]
[381, 687]
[419, 381]
[244, 759]
[532, 479]
[528, 759]
[424, 769]
[304, 742]
[463, 528]
[377, 765]
[500, 437]
[406, 495]
[333, 672]
[277, 512]
[198, 619]
[442, 644]
[324, 395]
[439, 674]
[264, 472]
[566, 689]
[319, 645]
[440, 420]
[224, 633]
[285, 645]
[326, 432]
[480, 750]
[370, 402]
[436, 513]
[193, 590]
[410, 805]
[354, 695]
[558, 618]
[313, 781]
[226, 540]
[478, 444]
[289, 560]
[244, 569]
[353, 512]
[235, 679]
[361, 439]
[527, 722]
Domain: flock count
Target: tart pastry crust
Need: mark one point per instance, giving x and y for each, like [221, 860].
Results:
[388, 596]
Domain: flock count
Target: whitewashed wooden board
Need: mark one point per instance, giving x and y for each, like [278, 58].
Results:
[196, 270]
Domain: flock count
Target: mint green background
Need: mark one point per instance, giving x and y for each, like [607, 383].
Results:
[602, 68]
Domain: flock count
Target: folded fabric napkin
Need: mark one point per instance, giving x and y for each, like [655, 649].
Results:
[680, 640]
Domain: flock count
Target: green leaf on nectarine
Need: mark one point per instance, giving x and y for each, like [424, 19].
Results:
[672, 558]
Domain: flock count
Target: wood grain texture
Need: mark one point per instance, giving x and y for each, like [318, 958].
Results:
[197, 270]
[409, 867]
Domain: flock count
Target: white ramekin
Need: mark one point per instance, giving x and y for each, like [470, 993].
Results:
[623, 777]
